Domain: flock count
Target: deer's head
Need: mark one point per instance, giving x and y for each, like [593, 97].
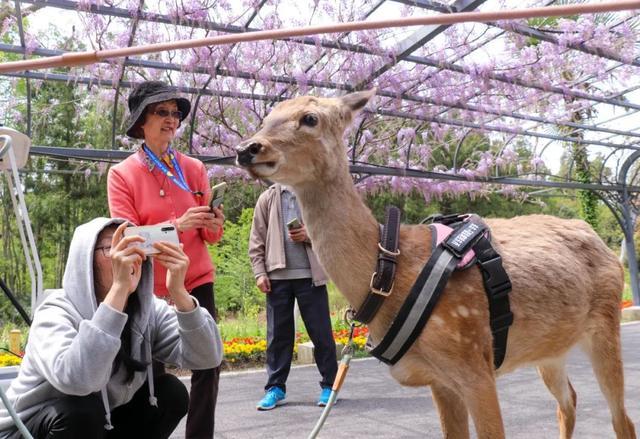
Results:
[301, 139]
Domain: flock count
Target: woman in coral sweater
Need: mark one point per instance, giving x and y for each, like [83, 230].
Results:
[157, 184]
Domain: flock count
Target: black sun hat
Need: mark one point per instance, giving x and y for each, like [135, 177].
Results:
[151, 92]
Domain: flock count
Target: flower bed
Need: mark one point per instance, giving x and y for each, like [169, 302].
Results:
[242, 352]
[7, 359]
[249, 350]
[359, 337]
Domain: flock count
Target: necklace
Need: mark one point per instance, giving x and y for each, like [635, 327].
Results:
[150, 167]
[162, 192]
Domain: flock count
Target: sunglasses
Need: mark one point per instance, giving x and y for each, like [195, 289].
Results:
[166, 113]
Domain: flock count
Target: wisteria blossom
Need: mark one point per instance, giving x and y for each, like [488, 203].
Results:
[452, 105]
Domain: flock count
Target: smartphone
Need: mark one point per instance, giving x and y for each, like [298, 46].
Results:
[217, 195]
[293, 224]
[151, 234]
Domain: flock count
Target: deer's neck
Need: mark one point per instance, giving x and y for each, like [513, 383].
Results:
[344, 234]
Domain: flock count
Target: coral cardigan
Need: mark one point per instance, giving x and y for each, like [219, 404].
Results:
[134, 194]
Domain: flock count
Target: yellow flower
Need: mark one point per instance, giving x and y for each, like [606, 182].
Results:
[9, 360]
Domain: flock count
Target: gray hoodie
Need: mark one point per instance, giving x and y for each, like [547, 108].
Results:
[73, 341]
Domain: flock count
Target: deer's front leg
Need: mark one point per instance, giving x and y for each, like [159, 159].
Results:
[481, 398]
[454, 417]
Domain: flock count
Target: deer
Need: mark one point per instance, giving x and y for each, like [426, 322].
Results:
[566, 283]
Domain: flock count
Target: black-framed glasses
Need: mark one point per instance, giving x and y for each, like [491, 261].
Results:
[166, 113]
[106, 250]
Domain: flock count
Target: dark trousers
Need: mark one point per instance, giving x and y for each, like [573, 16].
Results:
[81, 417]
[204, 383]
[314, 309]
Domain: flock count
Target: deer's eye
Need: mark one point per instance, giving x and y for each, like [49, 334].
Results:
[309, 120]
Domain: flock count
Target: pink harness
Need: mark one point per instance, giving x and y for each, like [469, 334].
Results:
[442, 233]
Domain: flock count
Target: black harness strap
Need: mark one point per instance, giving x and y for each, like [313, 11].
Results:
[430, 284]
[425, 292]
[497, 287]
[382, 280]
[411, 319]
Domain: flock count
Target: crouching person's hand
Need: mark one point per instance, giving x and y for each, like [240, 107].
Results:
[174, 259]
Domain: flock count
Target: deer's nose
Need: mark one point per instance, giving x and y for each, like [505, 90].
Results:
[247, 152]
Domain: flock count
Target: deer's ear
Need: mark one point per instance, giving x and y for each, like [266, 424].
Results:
[356, 101]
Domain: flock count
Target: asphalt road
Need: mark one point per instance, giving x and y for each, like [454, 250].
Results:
[373, 405]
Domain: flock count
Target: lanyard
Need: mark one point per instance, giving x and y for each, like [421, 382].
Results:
[179, 180]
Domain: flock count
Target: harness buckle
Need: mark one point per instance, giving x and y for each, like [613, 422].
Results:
[497, 281]
[500, 291]
[501, 323]
[447, 220]
[388, 252]
[379, 291]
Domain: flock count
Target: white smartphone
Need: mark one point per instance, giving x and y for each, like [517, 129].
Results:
[217, 195]
[151, 234]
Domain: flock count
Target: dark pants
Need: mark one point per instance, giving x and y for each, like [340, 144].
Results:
[204, 383]
[314, 308]
[80, 417]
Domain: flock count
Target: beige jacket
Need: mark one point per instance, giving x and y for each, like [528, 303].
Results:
[266, 242]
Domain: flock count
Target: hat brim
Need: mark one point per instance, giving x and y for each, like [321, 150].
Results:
[184, 106]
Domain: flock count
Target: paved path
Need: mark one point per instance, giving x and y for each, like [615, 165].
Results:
[372, 405]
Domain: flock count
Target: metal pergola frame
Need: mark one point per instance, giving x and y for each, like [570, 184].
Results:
[619, 195]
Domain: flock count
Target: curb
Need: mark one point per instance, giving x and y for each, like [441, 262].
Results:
[186, 378]
[631, 314]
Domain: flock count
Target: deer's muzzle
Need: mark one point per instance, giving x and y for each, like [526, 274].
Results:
[247, 152]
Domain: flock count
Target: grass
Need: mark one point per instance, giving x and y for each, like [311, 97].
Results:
[256, 325]
[626, 293]
[243, 326]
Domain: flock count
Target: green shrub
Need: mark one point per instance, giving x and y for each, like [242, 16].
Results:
[236, 290]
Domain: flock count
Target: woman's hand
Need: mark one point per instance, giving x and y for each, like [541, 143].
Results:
[174, 259]
[195, 218]
[217, 221]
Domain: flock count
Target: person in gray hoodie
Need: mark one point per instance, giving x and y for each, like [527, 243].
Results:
[87, 368]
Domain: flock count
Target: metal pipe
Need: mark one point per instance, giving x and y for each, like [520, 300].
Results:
[405, 115]
[24, 56]
[89, 57]
[21, 427]
[24, 224]
[111, 155]
[629, 219]
[114, 113]
[333, 85]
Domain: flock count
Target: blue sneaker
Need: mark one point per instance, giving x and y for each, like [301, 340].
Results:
[275, 396]
[323, 400]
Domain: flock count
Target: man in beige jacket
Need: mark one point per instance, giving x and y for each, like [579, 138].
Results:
[286, 269]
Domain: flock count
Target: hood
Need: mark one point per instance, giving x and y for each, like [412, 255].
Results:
[78, 280]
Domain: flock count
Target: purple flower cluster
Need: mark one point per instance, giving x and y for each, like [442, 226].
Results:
[454, 111]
